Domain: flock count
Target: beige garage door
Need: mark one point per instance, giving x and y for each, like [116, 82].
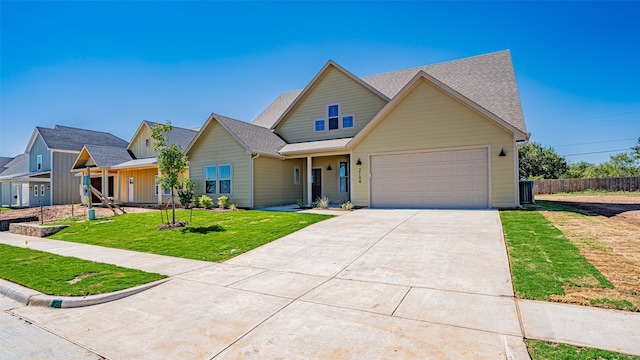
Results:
[443, 179]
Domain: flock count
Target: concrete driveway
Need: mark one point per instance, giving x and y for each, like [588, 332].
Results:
[369, 284]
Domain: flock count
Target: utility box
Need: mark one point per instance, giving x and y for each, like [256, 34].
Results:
[526, 192]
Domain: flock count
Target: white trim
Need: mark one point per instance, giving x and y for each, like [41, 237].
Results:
[324, 122]
[343, 160]
[35, 190]
[39, 162]
[459, 148]
[251, 180]
[65, 151]
[296, 181]
[309, 186]
[321, 181]
[516, 175]
[217, 179]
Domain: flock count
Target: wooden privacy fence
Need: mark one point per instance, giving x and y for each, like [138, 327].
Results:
[570, 185]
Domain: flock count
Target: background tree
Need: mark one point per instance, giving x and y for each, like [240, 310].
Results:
[540, 162]
[172, 162]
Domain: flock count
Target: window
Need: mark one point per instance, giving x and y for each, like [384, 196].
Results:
[296, 175]
[218, 179]
[334, 120]
[41, 190]
[347, 121]
[39, 162]
[147, 142]
[164, 191]
[344, 177]
[35, 190]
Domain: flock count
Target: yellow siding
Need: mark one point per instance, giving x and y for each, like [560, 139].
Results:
[331, 178]
[217, 146]
[274, 182]
[143, 186]
[428, 118]
[333, 87]
[138, 144]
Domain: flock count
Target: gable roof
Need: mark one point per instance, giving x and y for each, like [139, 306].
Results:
[104, 156]
[18, 164]
[252, 137]
[4, 161]
[487, 80]
[179, 136]
[330, 64]
[73, 139]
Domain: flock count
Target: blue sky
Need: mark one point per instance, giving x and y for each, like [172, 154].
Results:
[109, 65]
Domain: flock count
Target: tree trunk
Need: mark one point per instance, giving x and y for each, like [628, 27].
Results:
[173, 208]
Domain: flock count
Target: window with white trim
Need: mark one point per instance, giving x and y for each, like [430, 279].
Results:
[217, 179]
[39, 162]
[164, 191]
[344, 177]
[35, 190]
[334, 120]
[296, 175]
[41, 190]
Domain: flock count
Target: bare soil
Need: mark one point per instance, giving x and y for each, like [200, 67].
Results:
[609, 237]
[59, 212]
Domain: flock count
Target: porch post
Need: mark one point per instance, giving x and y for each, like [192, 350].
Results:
[105, 183]
[159, 189]
[90, 195]
[309, 165]
[118, 186]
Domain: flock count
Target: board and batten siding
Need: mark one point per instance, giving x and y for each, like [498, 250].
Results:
[65, 185]
[139, 147]
[144, 186]
[274, 182]
[216, 146]
[429, 118]
[39, 148]
[333, 87]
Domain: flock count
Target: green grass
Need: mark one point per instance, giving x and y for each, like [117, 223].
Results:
[616, 304]
[541, 350]
[51, 274]
[542, 259]
[211, 235]
[5, 209]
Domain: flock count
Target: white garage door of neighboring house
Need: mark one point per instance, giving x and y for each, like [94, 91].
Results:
[435, 179]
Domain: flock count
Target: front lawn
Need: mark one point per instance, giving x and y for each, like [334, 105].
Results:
[541, 350]
[66, 276]
[542, 259]
[212, 236]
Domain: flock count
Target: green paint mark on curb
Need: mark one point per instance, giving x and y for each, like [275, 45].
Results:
[56, 304]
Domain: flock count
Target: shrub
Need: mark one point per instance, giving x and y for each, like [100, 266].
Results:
[185, 194]
[196, 201]
[223, 202]
[205, 201]
[347, 205]
[323, 202]
[233, 207]
[300, 203]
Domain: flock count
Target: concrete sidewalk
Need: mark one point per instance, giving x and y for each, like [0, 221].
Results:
[370, 283]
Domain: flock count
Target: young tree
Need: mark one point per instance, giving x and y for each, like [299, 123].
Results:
[540, 162]
[172, 162]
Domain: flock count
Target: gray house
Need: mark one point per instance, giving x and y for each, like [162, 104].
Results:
[46, 178]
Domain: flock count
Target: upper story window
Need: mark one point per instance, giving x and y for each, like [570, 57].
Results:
[39, 162]
[147, 142]
[334, 120]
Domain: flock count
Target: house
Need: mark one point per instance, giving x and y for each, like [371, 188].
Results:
[435, 136]
[12, 190]
[129, 173]
[49, 155]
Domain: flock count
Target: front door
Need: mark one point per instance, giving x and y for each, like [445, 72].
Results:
[130, 191]
[316, 184]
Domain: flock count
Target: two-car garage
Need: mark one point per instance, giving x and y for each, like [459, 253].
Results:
[431, 179]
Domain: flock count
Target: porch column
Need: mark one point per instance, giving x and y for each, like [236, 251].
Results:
[309, 165]
[159, 189]
[118, 186]
[90, 195]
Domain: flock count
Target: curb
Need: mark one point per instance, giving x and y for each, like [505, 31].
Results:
[31, 297]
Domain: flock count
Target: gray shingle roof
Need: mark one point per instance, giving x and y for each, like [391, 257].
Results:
[4, 161]
[269, 116]
[68, 138]
[254, 137]
[487, 80]
[107, 156]
[179, 136]
[18, 164]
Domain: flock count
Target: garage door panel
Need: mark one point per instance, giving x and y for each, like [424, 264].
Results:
[447, 179]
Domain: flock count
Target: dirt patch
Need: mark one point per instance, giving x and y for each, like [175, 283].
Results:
[609, 241]
[618, 207]
[59, 212]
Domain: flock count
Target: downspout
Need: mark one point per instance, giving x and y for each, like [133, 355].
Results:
[251, 178]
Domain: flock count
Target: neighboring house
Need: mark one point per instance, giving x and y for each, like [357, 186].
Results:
[50, 154]
[13, 191]
[129, 173]
[437, 136]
